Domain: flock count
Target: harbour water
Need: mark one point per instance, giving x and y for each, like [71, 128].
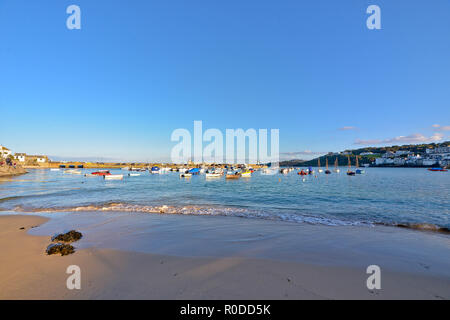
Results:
[410, 197]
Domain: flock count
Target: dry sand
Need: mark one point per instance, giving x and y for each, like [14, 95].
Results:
[26, 272]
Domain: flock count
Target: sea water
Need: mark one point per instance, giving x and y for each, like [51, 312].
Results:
[410, 197]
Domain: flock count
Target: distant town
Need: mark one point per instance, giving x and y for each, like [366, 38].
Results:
[424, 155]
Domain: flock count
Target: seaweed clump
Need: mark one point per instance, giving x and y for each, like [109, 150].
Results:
[70, 236]
[63, 249]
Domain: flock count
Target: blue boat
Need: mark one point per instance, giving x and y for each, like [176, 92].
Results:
[155, 170]
[194, 171]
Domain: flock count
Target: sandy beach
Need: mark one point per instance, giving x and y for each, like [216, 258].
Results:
[26, 272]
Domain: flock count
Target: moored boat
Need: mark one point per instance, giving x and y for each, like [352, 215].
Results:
[336, 169]
[113, 177]
[438, 169]
[358, 171]
[233, 175]
[246, 174]
[213, 175]
[349, 171]
[155, 170]
[327, 171]
[101, 173]
[318, 166]
[185, 175]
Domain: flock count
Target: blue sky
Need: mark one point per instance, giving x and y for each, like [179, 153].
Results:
[137, 70]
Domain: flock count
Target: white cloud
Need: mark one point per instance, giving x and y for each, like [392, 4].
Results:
[441, 128]
[347, 128]
[413, 138]
[296, 154]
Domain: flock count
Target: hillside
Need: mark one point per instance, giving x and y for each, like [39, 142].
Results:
[364, 159]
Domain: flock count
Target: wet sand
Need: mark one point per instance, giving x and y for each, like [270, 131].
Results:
[26, 272]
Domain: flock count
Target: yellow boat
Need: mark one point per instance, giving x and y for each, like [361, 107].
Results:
[246, 174]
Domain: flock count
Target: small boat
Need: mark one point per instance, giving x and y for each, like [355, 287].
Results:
[54, 169]
[326, 165]
[101, 173]
[310, 170]
[134, 174]
[213, 175]
[349, 171]
[284, 171]
[318, 165]
[358, 171]
[268, 171]
[185, 175]
[73, 171]
[155, 170]
[302, 173]
[164, 170]
[194, 171]
[438, 169]
[113, 177]
[336, 169]
[246, 174]
[126, 168]
[90, 175]
[231, 175]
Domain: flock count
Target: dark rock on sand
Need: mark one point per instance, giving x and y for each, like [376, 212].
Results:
[70, 236]
[22, 228]
[63, 249]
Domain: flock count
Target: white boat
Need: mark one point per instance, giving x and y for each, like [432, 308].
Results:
[90, 175]
[134, 174]
[213, 175]
[318, 166]
[126, 168]
[336, 169]
[54, 169]
[185, 175]
[268, 171]
[73, 171]
[113, 177]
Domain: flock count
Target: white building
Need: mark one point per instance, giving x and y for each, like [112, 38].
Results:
[440, 150]
[402, 153]
[21, 157]
[4, 152]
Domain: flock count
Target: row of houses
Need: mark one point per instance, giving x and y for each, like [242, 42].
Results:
[432, 157]
[22, 157]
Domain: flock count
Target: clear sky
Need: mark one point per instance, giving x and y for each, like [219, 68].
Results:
[137, 70]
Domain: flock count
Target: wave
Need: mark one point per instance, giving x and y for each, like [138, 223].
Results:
[193, 210]
[228, 211]
[423, 227]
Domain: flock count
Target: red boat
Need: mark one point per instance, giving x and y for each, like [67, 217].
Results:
[437, 169]
[101, 173]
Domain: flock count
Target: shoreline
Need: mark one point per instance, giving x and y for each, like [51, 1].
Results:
[123, 274]
[6, 171]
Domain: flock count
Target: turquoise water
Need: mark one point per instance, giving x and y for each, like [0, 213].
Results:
[382, 195]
